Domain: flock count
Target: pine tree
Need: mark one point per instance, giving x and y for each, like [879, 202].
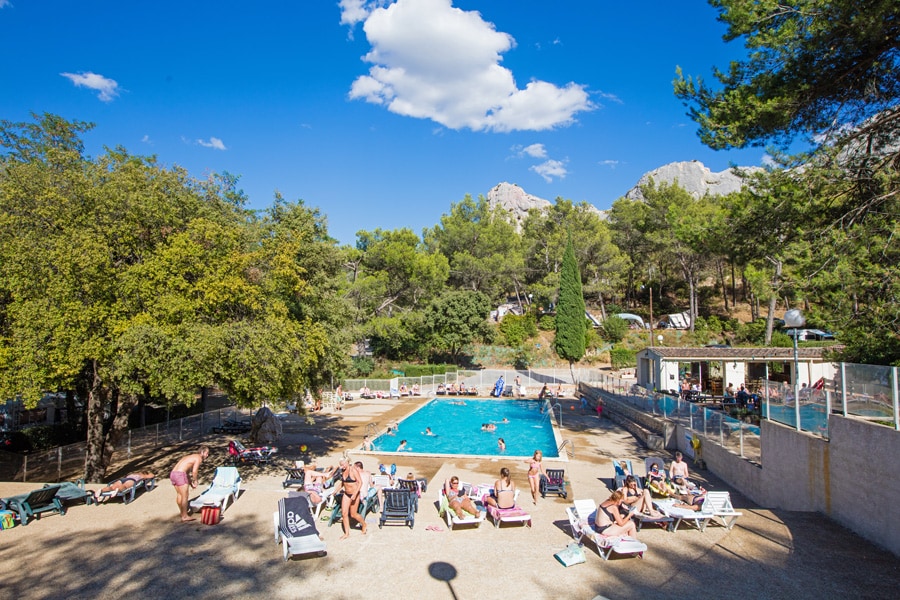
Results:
[571, 324]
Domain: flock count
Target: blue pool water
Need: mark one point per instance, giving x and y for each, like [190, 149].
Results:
[457, 429]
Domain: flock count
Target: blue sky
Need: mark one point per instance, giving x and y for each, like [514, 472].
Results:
[381, 114]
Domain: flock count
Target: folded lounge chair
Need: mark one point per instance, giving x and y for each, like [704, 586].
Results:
[295, 528]
[554, 483]
[224, 488]
[580, 520]
[295, 476]
[34, 504]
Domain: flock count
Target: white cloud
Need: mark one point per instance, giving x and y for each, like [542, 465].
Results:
[108, 88]
[610, 97]
[214, 143]
[433, 61]
[550, 169]
[146, 139]
[535, 151]
[5, 3]
[355, 11]
[612, 164]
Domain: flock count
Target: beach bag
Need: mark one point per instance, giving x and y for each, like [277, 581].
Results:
[210, 515]
[7, 519]
[573, 554]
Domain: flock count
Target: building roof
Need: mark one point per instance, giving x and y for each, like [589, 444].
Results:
[739, 354]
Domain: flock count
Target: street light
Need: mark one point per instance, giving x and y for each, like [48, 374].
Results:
[794, 318]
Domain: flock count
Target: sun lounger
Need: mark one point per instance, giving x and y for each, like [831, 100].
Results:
[233, 426]
[411, 486]
[452, 519]
[295, 528]
[719, 505]
[130, 493]
[259, 455]
[71, 493]
[620, 473]
[698, 518]
[554, 483]
[397, 506]
[295, 476]
[580, 517]
[367, 505]
[516, 514]
[224, 488]
[35, 503]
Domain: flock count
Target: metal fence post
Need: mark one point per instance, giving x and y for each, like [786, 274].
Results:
[844, 388]
[742, 440]
[25, 468]
[59, 463]
[180, 428]
[896, 393]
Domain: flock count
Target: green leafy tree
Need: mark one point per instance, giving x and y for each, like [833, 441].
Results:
[614, 329]
[571, 323]
[482, 247]
[824, 74]
[455, 319]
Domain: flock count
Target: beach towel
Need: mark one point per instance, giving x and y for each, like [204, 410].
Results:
[295, 518]
[573, 554]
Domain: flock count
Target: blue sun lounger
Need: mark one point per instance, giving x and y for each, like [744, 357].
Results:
[35, 503]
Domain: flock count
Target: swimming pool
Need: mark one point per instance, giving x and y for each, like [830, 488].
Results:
[456, 427]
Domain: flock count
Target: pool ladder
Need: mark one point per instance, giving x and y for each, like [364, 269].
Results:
[569, 445]
[558, 415]
[371, 429]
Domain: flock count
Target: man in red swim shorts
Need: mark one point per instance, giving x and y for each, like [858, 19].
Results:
[183, 476]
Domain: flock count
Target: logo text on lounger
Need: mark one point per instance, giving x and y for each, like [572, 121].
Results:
[295, 522]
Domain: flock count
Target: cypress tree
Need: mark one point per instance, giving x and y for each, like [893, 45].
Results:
[571, 324]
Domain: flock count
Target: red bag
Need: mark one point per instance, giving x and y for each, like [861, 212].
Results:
[210, 515]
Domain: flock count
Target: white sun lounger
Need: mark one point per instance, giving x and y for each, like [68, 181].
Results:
[225, 488]
[452, 519]
[582, 528]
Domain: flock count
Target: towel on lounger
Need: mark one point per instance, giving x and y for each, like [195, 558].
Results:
[295, 518]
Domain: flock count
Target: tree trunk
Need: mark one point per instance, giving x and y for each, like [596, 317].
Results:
[773, 299]
[94, 470]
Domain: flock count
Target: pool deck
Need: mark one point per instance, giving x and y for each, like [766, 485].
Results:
[141, 549]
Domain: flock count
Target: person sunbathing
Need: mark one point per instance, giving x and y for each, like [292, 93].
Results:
[656, 481]
[123, 483]
[504, 493]
[609, 519]
[458, 500]
[639, 499]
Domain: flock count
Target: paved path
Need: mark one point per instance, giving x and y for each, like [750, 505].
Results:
[141, 550]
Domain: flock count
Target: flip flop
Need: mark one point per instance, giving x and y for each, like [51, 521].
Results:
[434, 528]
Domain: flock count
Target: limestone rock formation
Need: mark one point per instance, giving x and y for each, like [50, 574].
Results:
[694, 177]
[515, 200]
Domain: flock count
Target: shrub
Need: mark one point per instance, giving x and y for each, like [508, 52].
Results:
[620, 358]
[523, 358]
[362, 366]
[517, 330]
[614, 329]
[547, 323]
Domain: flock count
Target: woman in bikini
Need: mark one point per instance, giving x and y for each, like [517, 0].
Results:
[504, 493]
[609, 519]
[639, 499]
[351, 482]
[535, 470]
[458, 500]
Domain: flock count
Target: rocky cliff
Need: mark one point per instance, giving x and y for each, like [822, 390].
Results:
[694, 177]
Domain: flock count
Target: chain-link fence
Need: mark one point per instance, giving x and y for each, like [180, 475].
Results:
[68, 462]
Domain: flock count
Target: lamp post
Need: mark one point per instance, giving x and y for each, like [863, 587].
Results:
[794, 318]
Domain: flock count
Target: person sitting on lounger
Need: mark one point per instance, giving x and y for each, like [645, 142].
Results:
[639, 499]
[123, 483]
[656, 481]
[458, 500]
[504, 493]
[609, 519]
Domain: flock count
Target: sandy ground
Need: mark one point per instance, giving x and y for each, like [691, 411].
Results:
[143, 550]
